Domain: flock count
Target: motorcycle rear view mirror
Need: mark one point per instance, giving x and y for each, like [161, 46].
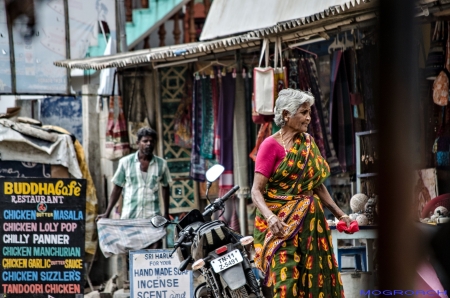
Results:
[158, 221]
[214, 172]
[212, 175]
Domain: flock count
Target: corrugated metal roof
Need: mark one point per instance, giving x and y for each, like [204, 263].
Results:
[231, 17]
[169, 53]
[249, 39]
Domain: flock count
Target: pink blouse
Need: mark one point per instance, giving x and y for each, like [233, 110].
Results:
[269, 157]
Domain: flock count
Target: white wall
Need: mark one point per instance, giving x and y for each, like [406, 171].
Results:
[6, 101]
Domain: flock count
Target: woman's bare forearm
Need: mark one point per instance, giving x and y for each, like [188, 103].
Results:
[259, 185]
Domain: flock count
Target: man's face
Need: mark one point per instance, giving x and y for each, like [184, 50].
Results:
[146, 145]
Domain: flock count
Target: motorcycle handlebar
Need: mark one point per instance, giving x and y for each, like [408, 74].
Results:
[178, 243]
[219, 202]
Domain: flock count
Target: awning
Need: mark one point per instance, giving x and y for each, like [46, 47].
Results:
[231, 17]
[169, 53]
[297, 27]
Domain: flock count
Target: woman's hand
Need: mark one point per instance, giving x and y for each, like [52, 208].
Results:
[347, 220]
[276, 226]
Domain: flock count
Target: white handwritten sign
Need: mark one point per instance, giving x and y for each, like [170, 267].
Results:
[153, 274]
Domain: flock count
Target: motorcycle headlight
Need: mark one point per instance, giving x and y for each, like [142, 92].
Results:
[246, 240]
[198, 264]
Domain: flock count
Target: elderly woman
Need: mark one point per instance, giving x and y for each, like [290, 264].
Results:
[292, 238]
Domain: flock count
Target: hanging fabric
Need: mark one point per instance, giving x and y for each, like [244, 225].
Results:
[293, 73]
[323, 116]
[367, 57]
[109, 140]
[315, 116]
[117, 144]
[197, 171]
[227, 85]
[120, 133]
[248, 87]
[314, 128]
[137, 111]
[342, 116]
[207, 118]
[215, 99]
[356, 99]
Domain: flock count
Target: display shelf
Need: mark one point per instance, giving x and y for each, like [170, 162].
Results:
[360, 175]
[366, 175]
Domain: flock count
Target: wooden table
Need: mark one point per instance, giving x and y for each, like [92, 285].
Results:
[365, 232]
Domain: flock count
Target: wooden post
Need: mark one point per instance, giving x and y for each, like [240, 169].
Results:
[144, 3]
[192, 33]
[129, 10]
[147, 42]
[186, 25]
[176, 28]
[162, 35]
[207, 4]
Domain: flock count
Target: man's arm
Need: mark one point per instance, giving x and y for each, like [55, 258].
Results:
[113, 198]
[166, 201]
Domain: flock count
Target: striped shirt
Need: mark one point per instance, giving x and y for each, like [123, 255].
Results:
[141, 193]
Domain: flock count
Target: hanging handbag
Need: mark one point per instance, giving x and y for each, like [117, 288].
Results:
[436, 56]
[263, 84]
[441, 83]
[280, 74]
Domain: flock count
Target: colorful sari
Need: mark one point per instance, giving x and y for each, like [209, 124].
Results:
[302, 263]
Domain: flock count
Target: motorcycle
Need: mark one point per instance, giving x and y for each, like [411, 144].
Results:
[211, 249]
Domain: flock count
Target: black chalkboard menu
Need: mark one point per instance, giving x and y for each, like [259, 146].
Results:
[42, 237]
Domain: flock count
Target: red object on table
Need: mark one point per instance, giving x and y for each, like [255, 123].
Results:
[342, 227]
[442, 200]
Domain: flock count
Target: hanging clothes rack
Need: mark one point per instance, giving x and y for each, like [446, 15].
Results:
[212, 63]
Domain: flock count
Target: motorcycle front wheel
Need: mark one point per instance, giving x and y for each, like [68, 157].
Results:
[238, 293]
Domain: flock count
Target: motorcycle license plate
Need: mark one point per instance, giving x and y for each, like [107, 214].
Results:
[227, 261]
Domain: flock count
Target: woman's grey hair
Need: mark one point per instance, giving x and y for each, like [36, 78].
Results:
[290, 100]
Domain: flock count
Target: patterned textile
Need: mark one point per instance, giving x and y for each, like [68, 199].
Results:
[218, 99]
[120, 133]
[315, 125]
[341, 113]
[307, 268]
[118, 236]
[207, 139]
[302, 263]
[215, 99]
[293, 73]
[140, 193]
[197, 161]
[226, 113]
[366, 59]
[323, 115]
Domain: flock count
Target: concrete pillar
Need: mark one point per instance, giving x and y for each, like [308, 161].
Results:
[91, 141]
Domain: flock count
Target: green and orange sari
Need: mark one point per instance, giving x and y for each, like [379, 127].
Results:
[302, 263]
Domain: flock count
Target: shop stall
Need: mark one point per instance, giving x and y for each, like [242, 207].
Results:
[202, 106]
